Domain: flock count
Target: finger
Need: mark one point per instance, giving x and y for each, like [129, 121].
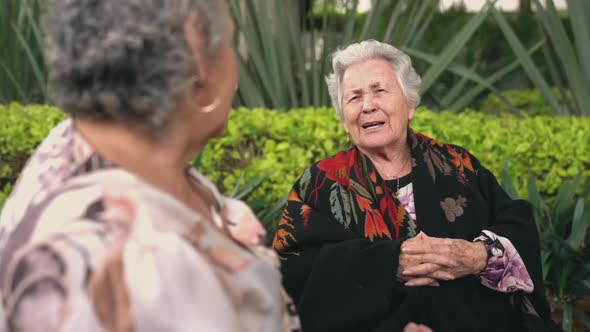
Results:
[413, 259]
[422, 282]
[441, 275]
[428, 270]
[430, 245]
[423, 328]
[409, 242]
[411, 327]
[422, 246]
[421, 269]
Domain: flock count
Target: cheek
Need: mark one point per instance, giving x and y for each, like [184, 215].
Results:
[350, 117]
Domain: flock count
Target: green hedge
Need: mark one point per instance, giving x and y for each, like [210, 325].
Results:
[262, 141]
[528, 101]
[259, 142]
[22, 129]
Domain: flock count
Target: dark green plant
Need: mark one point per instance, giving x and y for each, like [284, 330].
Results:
[282, 64]
[568, 59]
[563, 229]
[23, 74]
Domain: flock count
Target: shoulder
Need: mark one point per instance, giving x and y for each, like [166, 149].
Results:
[456, 154]
[334, 168]
[82, 203]
[338, 163]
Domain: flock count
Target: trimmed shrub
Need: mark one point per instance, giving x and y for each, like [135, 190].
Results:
[22, 129]
[283, 144]
[552, 148]
[529, 101]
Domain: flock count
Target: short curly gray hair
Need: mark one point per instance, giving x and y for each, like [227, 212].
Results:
[400, 62]
[126, 60]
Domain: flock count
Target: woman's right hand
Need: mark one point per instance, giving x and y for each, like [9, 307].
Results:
[432, 262]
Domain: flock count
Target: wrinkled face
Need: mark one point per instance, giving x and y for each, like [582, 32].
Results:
[374, 108]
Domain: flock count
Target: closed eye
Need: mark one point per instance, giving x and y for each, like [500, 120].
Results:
[353, 98]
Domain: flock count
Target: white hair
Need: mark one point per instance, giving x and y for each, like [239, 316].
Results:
[400, 62]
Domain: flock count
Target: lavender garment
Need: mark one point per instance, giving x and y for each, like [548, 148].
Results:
[505, 271]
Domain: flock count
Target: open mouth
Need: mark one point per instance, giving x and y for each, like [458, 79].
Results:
[373, 124]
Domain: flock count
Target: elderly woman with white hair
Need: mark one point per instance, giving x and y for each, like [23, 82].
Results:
[402, 228]
[108, 227]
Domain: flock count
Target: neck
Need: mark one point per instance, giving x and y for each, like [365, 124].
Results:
[391, 162]
[161, 162]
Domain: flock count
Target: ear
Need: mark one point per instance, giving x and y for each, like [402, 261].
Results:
[411, 114]
[195, 42]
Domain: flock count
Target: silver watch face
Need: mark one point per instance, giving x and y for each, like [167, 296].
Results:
[497, 252]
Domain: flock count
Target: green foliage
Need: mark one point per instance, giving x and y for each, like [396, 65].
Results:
[284, 62]
[564, 234]
[528, 101]
[23, 74]
[487, 49]
[282, 144]
[262, 141]
[23, 128]
[568, 58]
[553, 148]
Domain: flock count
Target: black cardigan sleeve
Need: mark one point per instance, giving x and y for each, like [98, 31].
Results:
[340, 282]
[514, 220]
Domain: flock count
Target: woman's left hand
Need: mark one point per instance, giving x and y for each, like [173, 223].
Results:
[468, 257]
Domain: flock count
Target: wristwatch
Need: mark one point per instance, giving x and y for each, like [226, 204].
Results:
[494, 247]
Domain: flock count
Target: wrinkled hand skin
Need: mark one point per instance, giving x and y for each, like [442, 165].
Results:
[425, 260]
[413, 327]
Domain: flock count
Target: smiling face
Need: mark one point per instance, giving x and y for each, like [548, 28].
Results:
[375, 111]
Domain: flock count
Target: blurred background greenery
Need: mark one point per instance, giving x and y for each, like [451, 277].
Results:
[512, 87]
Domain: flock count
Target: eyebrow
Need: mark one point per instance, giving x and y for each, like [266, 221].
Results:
[374, 85]
[359, 90]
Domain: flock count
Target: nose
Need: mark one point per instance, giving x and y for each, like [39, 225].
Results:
[368, 104]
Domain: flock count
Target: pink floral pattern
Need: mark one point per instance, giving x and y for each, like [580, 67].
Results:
[507, 272]
[406, 197]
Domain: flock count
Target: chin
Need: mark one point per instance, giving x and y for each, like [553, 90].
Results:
[373, 144]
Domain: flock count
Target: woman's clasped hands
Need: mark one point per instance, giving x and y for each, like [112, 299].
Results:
[425, 260]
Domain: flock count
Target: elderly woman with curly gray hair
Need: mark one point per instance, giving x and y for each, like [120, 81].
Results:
[108, 228]
[400, 227]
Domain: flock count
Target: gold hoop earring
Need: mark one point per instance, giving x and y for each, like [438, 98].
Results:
[210, 107]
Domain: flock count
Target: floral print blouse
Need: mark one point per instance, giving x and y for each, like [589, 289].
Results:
[87, 246]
